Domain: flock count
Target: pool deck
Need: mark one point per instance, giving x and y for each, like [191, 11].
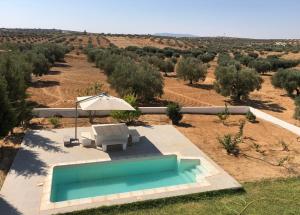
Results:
[22, 190]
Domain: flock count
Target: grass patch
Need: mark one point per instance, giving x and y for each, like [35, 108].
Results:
[281, 196]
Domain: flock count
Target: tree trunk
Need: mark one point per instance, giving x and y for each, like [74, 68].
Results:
[237, 98]
[191, 81]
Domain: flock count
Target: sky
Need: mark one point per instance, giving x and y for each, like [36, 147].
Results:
[237, 18]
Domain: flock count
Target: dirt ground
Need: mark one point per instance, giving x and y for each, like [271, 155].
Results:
[123, 42]
[267, 151]
[66, 81]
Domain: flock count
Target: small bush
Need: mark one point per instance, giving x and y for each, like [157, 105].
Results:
[285, 146]
[54, 121]
[128, 116]
[224, 115]
[230, 142]
[250, 117]
[173, 112]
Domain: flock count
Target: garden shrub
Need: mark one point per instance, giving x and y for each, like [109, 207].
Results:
[224, 115]
[250, 117]
[128, 117]
[173, 112]
[231, 142]
[54, 121]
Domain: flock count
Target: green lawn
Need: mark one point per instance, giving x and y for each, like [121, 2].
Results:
[280, 197]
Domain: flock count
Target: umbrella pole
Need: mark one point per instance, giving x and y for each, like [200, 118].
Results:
[76, 121]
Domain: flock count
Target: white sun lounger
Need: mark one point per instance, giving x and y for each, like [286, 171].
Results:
[111, 134]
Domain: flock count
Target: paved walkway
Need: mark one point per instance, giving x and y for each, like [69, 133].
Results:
[267, 117]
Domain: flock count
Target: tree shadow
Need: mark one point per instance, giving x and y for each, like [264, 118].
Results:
[185, 125]
[34, 140]
[35, 104]
[28, 163]
[7, 155]
[42, 84]
[36, 126]
[54, 72]
[61, 64]
[139, 123]
[155, 103]
[8, 209]
[143, 147]
[261, 105]
[202, 86]
[267, 74]
[170, 75]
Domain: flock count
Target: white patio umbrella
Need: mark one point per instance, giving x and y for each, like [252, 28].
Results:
[102, 101]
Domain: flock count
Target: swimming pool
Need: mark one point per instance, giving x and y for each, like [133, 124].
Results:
[87, 180]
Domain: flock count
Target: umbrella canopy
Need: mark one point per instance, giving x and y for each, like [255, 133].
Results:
[103, 102]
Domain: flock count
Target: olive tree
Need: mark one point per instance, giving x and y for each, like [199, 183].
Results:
[191, 69]
[297, 108]
[7, 114]
[236, 83]
[39, 62]
[261, 65]
[288, 79]
[143, 80]
[167, 66]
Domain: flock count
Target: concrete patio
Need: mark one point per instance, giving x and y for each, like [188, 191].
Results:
[22, 190]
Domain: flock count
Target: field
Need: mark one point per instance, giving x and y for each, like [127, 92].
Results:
[65, 82]
[123, 42]
[61, 86]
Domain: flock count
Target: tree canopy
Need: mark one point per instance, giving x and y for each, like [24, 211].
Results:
[260, 65]
[236, 83]
[288, 79]
[191, 69]
[141, 80]
[16, 68]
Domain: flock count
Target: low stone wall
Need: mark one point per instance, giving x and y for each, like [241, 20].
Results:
[70, 112]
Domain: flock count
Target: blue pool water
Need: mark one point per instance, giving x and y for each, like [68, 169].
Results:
[111, 177]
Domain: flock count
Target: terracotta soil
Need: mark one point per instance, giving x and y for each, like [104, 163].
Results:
[66, 81]
[262, 152]
[125, 41]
